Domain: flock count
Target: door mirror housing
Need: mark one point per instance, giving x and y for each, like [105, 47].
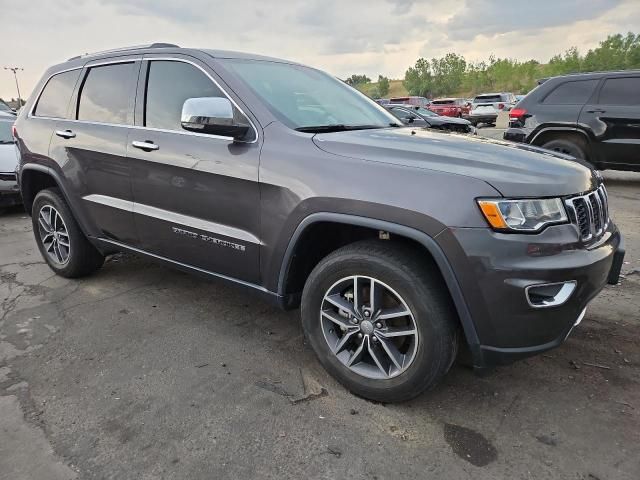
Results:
[212, 115]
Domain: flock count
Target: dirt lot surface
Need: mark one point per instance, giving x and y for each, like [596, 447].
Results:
[142, 372]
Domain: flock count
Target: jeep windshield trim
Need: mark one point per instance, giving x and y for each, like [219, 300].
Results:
[308, 100]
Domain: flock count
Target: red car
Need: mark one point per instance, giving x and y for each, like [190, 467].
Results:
[450, 107]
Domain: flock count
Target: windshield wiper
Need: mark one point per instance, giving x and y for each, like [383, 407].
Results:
[6, 142]
[336, 127]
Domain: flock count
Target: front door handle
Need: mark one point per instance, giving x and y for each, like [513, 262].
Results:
[147, 145]
[65, 133]
[597, 110]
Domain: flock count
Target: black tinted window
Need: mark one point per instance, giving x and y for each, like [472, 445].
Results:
[56, 95]
[620, 91]
[169, 84]
[571, 93]
[105, 95]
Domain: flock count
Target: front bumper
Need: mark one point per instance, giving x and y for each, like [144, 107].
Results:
[495, 269]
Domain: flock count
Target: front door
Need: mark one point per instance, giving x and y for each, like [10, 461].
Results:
[90, 147]
[615, 120]
[196, 196]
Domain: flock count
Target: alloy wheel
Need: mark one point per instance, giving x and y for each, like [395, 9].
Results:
[369, 327]
[54, 235]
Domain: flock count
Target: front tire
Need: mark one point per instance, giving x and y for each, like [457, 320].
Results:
[60, 240]
[380, 320]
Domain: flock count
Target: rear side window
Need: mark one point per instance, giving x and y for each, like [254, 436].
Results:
[54, 100]
[571, 93]
[105, 94]
[620, 91]
[169, 84]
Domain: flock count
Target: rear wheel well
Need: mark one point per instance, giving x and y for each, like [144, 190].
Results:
[579, 138]
[32, 182]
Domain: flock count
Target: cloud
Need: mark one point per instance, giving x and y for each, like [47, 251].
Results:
[359, 36]
[490, 18]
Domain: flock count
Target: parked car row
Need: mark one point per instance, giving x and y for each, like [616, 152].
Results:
[483, 108]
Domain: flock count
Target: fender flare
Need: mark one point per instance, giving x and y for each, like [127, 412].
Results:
[560, 129]
[422, 238]
[56, 178]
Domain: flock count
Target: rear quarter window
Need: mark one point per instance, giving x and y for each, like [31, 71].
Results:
[575, 92]
[620, 91]
[54, 99]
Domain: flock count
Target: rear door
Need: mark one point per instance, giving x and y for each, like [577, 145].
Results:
[196, 196]
[614, 118]
[91, 146]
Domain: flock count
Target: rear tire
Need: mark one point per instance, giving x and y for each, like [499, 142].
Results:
[60, 240]
[398, 273]
[566, 146]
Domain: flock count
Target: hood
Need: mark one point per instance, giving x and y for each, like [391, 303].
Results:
[515, 170]
[8, 158]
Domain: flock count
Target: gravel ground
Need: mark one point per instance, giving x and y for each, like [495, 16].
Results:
[142, 372]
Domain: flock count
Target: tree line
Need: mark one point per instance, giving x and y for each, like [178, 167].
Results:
[453, 74]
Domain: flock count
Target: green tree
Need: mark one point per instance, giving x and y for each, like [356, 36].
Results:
[355, 80]
[383, 86]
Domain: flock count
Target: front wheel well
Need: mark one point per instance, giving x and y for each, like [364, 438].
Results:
[322, 238]
[31, 183]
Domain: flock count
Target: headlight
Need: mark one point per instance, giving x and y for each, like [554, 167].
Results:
[528, 215]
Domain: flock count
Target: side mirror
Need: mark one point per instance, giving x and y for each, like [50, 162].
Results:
[212, 115]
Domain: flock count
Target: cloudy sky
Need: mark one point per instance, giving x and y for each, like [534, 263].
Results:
[340, 36]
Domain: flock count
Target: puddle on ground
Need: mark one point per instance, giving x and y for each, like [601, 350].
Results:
[470, 445]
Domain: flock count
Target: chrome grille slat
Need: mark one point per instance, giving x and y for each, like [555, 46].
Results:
[590, 213]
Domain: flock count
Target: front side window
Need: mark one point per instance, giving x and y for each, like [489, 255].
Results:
[105, 94]
[620, 91]
[302, 97]
[571, 93]
[54, 100]
[169, 84]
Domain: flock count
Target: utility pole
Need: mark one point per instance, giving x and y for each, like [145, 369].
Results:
[15, 75]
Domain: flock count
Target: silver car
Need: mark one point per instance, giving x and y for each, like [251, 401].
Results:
[9, 191]
[485, 107]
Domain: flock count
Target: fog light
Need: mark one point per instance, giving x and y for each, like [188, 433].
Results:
[549, 294]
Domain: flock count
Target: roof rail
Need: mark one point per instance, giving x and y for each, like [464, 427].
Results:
[124, 49]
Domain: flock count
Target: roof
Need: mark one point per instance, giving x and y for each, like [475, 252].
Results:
[596, 74]
[172, 47]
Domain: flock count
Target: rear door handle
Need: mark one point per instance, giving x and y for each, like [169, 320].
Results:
[65, 133]
[147, 145]
[597, 110]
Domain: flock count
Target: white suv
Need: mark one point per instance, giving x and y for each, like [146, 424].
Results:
[485, 107]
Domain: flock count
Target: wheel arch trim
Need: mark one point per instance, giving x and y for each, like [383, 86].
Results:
[428, 242]
[560, 129]
[59, 183]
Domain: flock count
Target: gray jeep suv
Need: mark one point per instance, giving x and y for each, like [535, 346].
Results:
[399, 244]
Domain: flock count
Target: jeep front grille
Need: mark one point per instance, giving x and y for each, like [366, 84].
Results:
[590, 213]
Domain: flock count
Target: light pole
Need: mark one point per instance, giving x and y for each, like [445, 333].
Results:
[15, 75]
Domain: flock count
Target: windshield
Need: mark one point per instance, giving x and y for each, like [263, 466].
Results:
[488, 98]
[5, 132]
[303, 98]
[4, 107]
[443, 102]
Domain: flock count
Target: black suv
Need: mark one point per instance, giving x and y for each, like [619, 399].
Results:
[399, 244]
[592, 116]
